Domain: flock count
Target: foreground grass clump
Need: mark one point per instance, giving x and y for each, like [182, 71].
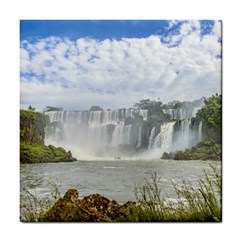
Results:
[201, 204]
[32, 206]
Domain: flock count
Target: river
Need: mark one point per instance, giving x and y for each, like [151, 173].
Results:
[114, 179]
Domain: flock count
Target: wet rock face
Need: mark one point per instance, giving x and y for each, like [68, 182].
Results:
[93, 208]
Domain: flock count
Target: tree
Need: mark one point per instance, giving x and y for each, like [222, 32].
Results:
[155, 110]
[95, 108]
[151, 106]
[211, 116]
[49, 108]
[30, 108]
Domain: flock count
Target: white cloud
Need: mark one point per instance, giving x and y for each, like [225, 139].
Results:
[217, 28]
[186, 29]
[24, 56]
[211, 45]
[111, 73]
[172, 23]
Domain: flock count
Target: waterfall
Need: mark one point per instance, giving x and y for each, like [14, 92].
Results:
[164, 140]
[117, 134]
[186, 135]
[90, 132]
[185, 132]
[151, 138]
[139, 144]
[129, 127]
[200, 131]
[176, 113]
[144, 114]
[173, 136]
[121, 134]
[105, 131]
[184, 110]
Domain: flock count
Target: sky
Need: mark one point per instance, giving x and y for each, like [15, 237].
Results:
[75, 64]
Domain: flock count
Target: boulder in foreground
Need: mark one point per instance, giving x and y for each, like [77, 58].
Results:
[93, 208]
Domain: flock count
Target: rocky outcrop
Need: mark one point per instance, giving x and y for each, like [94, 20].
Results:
[93, 208]
[168, 155]
[32, 134]
[32, 126]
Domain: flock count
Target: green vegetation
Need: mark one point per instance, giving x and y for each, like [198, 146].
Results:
[155, 110]
[95, 108]
[211, 148]
[32, 148]
[30, 108]
[193, 204]
[211, 116]
[205, 150]
[151, 106]
[32, 206]
[32, 126]
[36, 153]
[49, 108]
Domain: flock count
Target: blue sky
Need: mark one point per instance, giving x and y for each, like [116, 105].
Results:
[112, 29]
[74, 29]
[75, 64]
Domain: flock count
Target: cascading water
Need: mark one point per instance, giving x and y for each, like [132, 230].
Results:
[152, 137]
[103, 133]
[121, 134]
[181, 111]
[139, 144]
[178, 134]
[92, 132]
[184, 133]
[164, 140]
[200, 131]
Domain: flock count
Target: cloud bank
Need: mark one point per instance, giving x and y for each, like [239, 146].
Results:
[184, 65]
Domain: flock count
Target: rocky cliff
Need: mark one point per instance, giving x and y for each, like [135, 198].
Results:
[32, 126]
[32, 135]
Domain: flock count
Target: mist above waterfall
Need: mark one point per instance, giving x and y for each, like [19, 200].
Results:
[125, 132]
[96, 133]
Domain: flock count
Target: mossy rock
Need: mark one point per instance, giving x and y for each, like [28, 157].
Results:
[93, 208]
